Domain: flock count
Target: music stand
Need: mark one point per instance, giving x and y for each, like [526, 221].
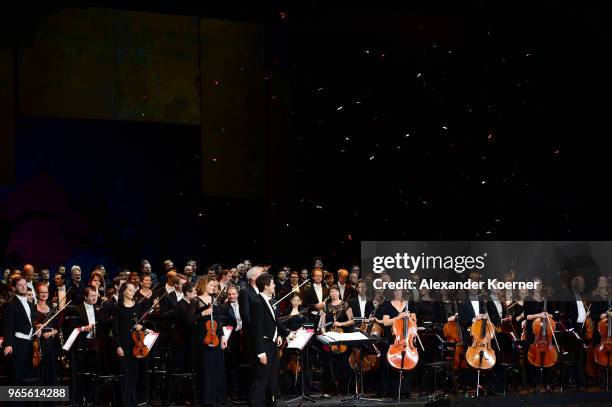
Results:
[299, 344]
[358, 339]
[359, 394]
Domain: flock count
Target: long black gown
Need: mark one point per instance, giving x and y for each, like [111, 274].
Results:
[48, 363]
[125, 318]
[211, 373]
[336, 366]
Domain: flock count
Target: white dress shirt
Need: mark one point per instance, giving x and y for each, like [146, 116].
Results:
[91, 317]
[362, 305]
[581, 312]
[342, 287]
[318, 288]
[476, 307]
[61, 296]
[236, 309]
[26, 306]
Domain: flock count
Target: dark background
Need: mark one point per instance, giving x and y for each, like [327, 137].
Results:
[485, 120]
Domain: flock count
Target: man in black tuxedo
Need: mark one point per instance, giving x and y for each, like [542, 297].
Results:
[266, 332]
[346, 290]
[18, 333]
[316, 294]
[234, 355]
[360, 305]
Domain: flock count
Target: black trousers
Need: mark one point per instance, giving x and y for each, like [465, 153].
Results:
[265, 378]
[20, 361]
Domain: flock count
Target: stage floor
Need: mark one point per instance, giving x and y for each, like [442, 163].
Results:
[565, 399]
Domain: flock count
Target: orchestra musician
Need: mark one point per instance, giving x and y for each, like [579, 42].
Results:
[340, 315]
[127, 314]
[346, 290]
[211, 372]
[315, 295]
[391, 311]
[48, 344]
[533, 309]
[234, 352]
[267, 333]
[18, 330]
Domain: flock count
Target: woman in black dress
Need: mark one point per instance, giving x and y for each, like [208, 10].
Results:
[294, 318]
[336, 365]
[48, 363]
[392, 311]
[211, 389]
[127, 313]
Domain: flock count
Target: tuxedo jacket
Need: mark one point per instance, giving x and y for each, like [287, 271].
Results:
[263, 325]
[354, 304]
[310, 295]
[246, 298]
[16, 320]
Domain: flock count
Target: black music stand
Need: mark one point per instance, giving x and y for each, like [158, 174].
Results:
[303, 397]
[358, 396]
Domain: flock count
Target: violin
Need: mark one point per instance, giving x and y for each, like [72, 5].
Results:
[603, 352]
[403, 354]
[369, 363]
[36, 352]
[338, 349]
[140, 350]
[452, 333]
[210, 325]
[480, 354]
[542, 352]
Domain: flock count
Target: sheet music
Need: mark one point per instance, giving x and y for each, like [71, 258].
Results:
[346, 336]
[73, 335]
[150, 339]
[301, 339]
[227, 331]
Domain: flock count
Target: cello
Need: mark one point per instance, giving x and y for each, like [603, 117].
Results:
[603, 352]
[403, 354]
[480, 355]
[453, 334]
[542, 353]
[369, 363]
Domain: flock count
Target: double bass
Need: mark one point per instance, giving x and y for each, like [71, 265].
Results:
[542, 352]
[603, 352]
[369, 363]
[403, 354]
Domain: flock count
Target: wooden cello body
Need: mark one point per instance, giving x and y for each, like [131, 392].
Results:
[603, 351]
[481, 355]
[542, 352]
[452, 333]
[403, 354]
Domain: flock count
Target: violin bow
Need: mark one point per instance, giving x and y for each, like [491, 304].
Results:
[416, 331]
[151, 308]
[51, 319]
[291, 292]
[152, 290]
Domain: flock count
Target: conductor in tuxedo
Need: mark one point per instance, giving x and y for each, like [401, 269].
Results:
[18, 333]
[267, 335]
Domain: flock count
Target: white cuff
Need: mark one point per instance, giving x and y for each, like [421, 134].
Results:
[261, 354]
